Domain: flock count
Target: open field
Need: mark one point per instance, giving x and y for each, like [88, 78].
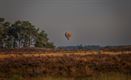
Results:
[65, 65]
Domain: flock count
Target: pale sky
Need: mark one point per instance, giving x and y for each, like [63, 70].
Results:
[92, 22]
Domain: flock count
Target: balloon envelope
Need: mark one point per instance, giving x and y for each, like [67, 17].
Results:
[68, 35]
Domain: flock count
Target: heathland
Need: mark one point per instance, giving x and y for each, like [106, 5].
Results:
[40, 64]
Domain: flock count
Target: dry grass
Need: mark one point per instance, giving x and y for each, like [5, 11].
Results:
[64, 64]
[4, 55]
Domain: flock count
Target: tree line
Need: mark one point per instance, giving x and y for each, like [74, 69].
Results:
[22, 34]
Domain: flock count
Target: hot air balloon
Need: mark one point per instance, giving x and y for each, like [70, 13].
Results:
[68, 35]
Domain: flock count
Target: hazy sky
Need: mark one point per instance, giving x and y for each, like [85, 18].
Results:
[92, 22]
